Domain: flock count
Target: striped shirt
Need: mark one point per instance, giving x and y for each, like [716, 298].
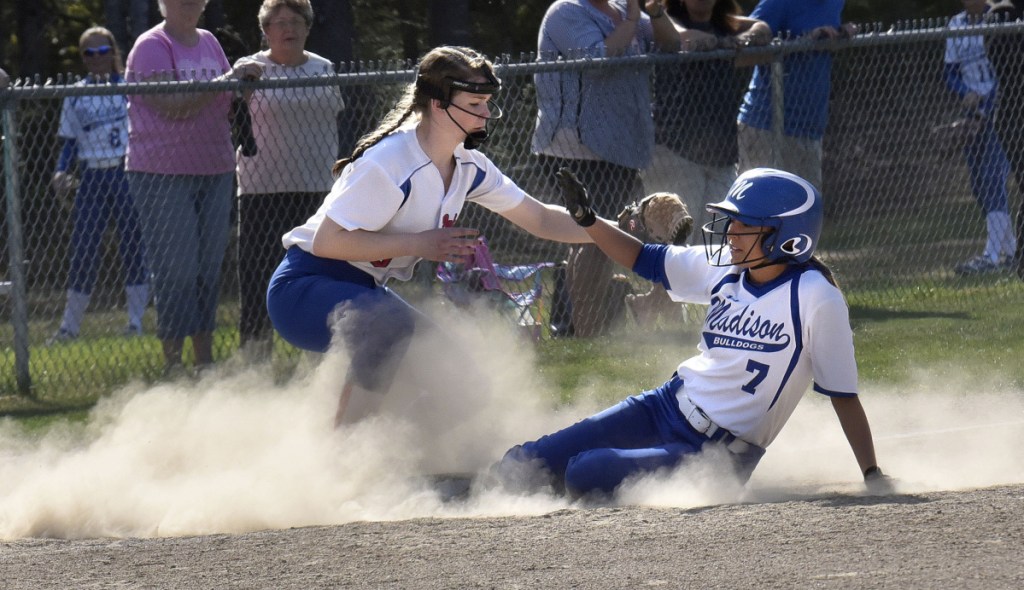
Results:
[607, 109]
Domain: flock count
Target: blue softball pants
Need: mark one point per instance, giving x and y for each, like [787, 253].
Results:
[641, 434]
[103, 194]
[308, 295]
[989, 169]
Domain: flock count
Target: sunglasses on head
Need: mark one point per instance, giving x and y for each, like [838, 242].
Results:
[93, 51]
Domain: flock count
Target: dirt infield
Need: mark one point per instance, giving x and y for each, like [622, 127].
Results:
[236, 482]
[955, 539]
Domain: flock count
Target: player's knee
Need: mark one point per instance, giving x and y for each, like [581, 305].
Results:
[377, 333]
[592, 472]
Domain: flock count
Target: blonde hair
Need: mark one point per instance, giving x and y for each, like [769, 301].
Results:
[439, 63]
[117, 63]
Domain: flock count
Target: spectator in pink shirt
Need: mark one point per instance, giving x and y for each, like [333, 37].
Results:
[180, 164]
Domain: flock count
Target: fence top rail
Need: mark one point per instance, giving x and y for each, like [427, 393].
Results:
[384, 72]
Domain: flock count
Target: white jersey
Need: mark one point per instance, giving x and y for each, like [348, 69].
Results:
[296, 132]
[394, 188]
[969, 54]
[761, 346]
[98, 124]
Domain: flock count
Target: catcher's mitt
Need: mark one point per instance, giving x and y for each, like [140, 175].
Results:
[659, 218]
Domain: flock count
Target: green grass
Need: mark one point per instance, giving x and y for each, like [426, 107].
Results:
[914, 331]
[986, 342]
[892, 344]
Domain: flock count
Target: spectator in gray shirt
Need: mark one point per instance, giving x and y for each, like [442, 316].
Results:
[597, 123]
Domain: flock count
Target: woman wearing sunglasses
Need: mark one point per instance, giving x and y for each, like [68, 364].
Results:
[95, 132]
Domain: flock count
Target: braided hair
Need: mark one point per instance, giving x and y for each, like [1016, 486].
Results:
[439, 63]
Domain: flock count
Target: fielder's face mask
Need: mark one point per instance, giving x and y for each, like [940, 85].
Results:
[449, 86]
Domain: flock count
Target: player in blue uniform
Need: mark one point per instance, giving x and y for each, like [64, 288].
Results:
[970, 76]
[396, 201]
[95, 132]
[776, 322]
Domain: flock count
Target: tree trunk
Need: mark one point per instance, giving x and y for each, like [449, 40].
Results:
[333, 32]
[332, 36]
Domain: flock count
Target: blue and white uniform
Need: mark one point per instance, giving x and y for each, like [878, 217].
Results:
[761, 347]
[392, 188]
[95, 132]
[967, 70]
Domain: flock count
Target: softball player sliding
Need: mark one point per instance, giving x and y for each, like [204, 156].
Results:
[95, 131]
[397, 200]
[776, 321]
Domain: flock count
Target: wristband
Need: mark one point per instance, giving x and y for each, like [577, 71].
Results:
[584, 218]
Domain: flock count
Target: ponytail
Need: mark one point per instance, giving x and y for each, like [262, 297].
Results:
[824, 270]
[391, 122]
[438, 64]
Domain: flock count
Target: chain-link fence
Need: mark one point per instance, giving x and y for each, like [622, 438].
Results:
[915, 183]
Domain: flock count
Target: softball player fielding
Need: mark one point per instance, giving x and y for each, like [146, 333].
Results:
[397, 200]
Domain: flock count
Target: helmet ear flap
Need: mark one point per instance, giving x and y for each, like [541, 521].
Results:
[769, 247]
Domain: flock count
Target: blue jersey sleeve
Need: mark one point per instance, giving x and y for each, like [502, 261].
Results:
[650, 264]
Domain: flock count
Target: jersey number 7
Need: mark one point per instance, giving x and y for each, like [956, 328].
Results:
[760, 371]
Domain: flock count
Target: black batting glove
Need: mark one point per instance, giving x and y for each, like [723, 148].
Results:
[575, 197]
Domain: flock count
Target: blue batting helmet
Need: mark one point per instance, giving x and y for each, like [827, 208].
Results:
[789, 207]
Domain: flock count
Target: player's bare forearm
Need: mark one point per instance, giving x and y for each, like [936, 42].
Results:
[615, 243]
[856, 428]
[549, 222]
[333, 241]
[449, 244]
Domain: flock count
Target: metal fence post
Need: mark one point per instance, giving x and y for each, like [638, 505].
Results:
[778, 108]
[18, 294]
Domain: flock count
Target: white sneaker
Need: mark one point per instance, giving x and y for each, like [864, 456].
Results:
[981, 264]
[61, 336]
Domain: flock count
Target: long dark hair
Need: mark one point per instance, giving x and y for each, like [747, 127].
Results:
[820, 266]
[434, 67]
[720, 13]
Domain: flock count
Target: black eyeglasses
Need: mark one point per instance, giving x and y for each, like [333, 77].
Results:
[93, 51]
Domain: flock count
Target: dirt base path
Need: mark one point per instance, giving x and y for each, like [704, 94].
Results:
[961, 539]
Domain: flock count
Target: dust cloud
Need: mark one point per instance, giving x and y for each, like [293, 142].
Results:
[235, 453]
